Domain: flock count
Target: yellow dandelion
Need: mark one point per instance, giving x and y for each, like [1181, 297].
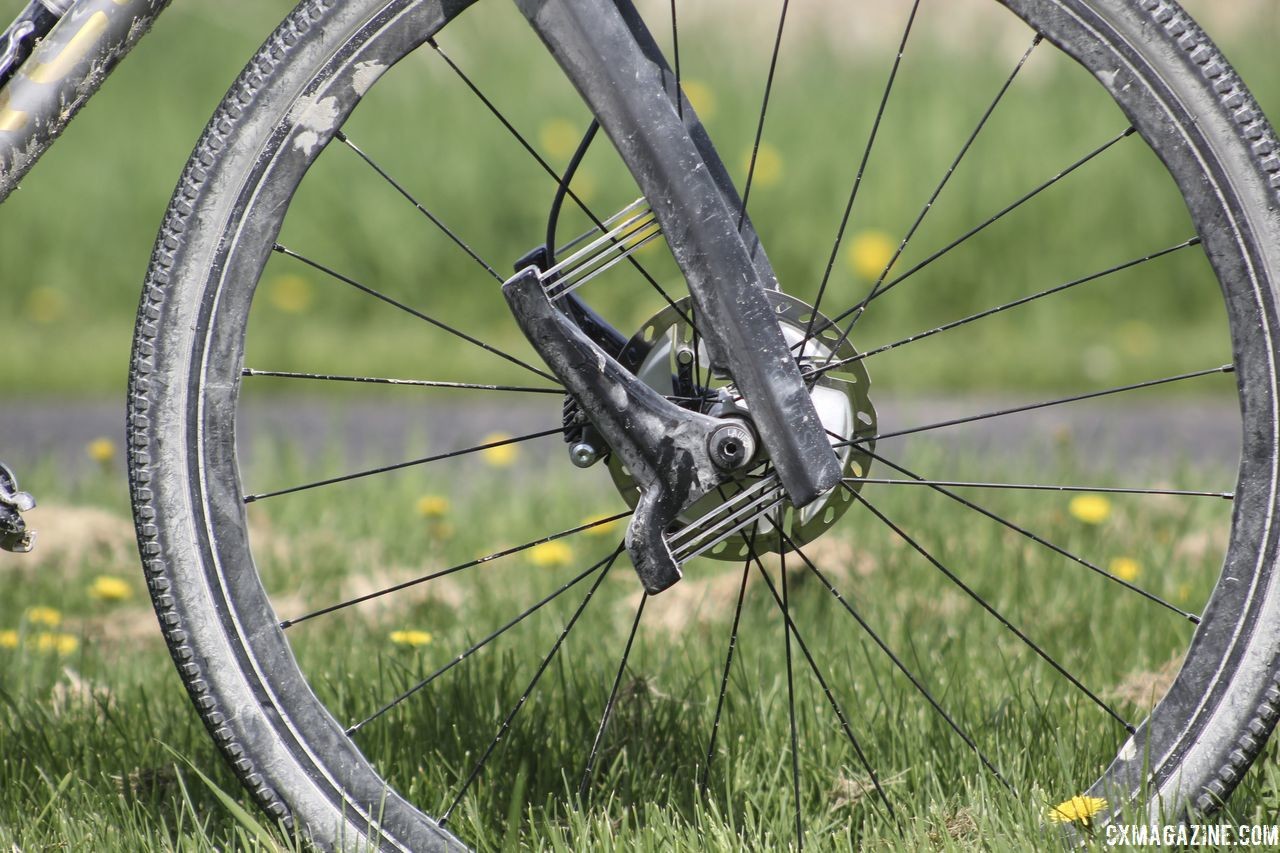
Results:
[1184, 593]
[1126, 568]
[601, 527]
[433, 506]
[585, 185]
[1136, 337]
[411, 638]
[1079, 809]
[8, 639]
[46, 305]
[289, 293]
[559, 137]
[46, 616]
[55, 641]
[501, 456]
[110, 588]
[768, 165]
[101, 450]
[700, 97]
[869, 253]
[1091, 509]
[550, 554]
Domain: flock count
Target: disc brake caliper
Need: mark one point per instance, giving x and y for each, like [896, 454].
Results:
[674, 455]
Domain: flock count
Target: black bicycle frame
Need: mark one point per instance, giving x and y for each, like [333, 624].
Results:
[63, 72]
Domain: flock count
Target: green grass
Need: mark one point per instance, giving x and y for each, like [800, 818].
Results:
[99, 747]
[102, 748]
[77, 236]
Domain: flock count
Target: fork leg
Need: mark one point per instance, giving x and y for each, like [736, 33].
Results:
[613, 60]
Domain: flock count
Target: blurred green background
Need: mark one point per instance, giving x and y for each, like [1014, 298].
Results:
[76, 237]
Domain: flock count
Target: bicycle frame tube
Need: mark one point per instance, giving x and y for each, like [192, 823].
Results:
[65, 70]
[617, 67]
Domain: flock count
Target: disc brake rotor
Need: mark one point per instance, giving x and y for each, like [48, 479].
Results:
[666, 356]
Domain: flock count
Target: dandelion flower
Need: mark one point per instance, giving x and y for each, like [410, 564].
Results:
[585, 186]
[411, 638]
[55, 641]
[700, 97]
[1136, 338]
[550, 554]
[46, 616]
[870, 252]
[101, 450]
[1079, 809]
[602, 527]
[46, 305]
[501, 456]
[8, 639]
[1126, 568]
[559, 138]
[768, 170]
[1184, 593]
[1091, 509]
[289, 293]
[110, 588]
[433, 506]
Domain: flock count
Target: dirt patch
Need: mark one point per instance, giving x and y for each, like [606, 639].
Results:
[1142, 689]
[69, 536]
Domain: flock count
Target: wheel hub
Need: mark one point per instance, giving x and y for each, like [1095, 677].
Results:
[666, 356]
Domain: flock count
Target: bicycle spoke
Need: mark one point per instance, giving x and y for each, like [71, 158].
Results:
[724, 678]
[946, 178]
[826, 689]
[376, 294]
[941, 487]
[791, 700]
[400, 465]
[764, 109]
[972, 232]
[546, 661]
[1226, 368]
[1105, 490]
[613, 696]
[964, 321]
[862, 168]
[435, 220]
[565, 587]
[987, 606]
[897, 662]
[546, 167]
[417, 383]
[479, 561]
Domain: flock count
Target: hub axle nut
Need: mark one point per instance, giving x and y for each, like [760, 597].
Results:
[732, 446]
[583, 455]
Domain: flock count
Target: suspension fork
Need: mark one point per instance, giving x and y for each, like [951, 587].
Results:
[613, 60]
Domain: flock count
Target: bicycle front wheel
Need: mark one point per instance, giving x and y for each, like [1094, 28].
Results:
[304, 602]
